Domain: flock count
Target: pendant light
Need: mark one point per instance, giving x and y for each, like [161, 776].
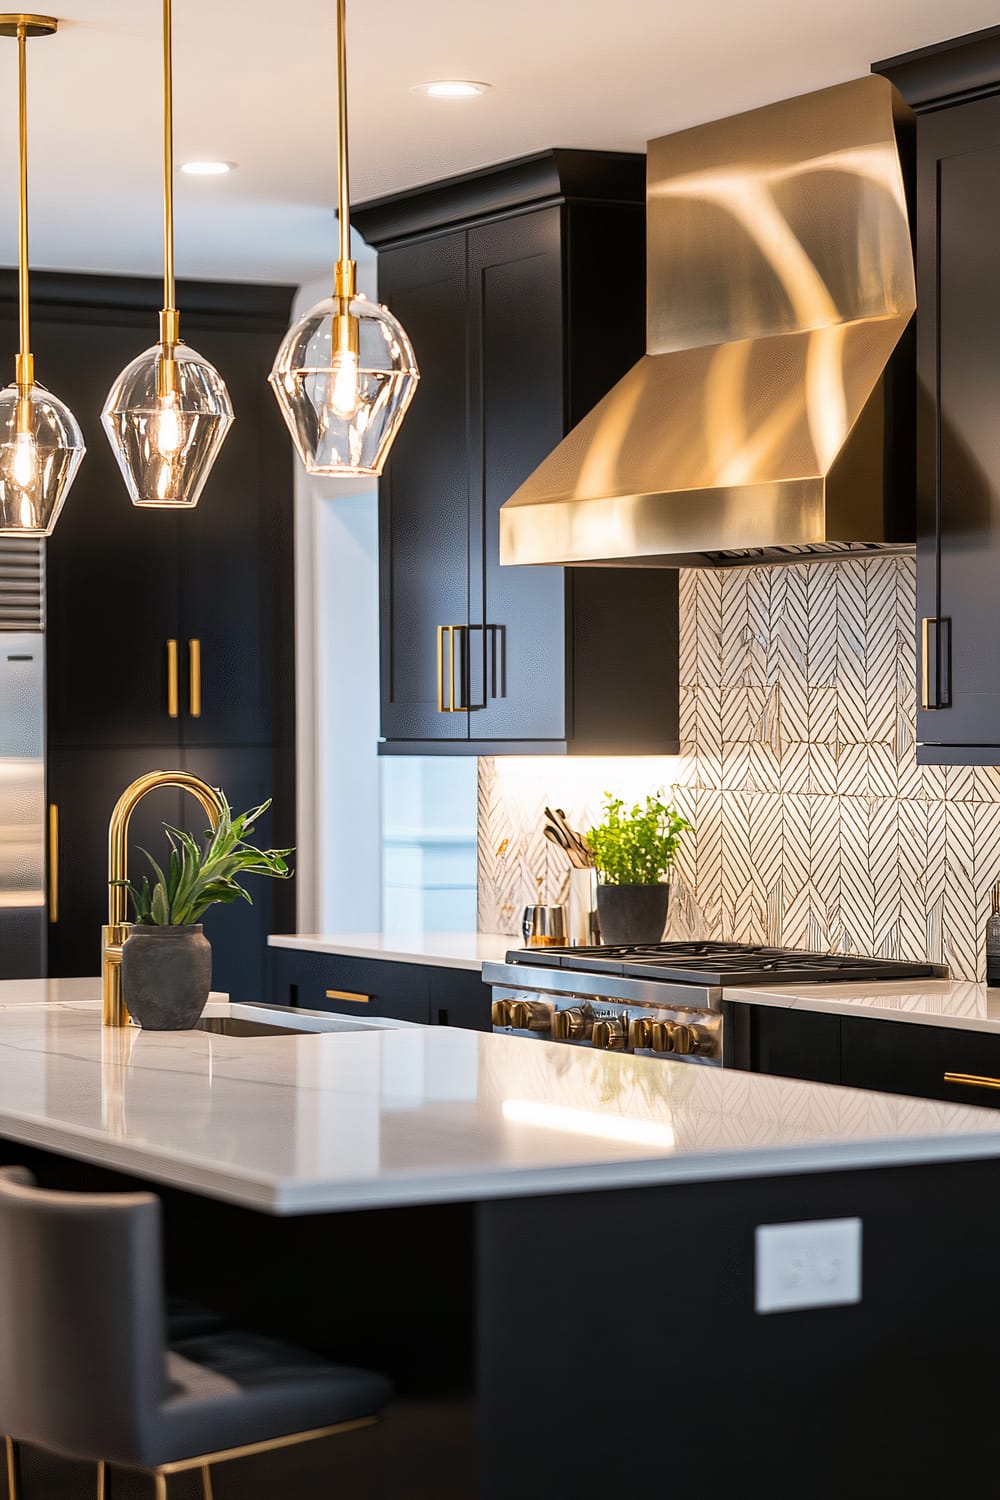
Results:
[41, 445]
[345, 373]
[168, 412]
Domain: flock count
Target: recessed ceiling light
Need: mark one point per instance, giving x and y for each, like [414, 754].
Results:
[207, 168]
[450, 88]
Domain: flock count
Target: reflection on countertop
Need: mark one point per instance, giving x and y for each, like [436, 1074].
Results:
[961, 1003]
[446, 950]
[360, 1115]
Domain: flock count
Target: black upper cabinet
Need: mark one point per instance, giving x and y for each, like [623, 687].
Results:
[122, 582]
[523, 291]
[956, 91]
[111, 570]
[424, 547]
[236, 599]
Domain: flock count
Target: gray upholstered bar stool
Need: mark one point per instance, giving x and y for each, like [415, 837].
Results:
[86, 1369]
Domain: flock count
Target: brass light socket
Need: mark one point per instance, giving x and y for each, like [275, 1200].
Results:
[345, 333]
[345, 278]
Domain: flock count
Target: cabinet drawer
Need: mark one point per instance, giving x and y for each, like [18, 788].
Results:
[900, 1058]
[350, 986]
[460, 998]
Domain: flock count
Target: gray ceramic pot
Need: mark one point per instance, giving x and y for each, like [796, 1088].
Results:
[632, 913]
[166, 976]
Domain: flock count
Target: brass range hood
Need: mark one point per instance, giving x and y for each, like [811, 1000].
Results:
[759, 426]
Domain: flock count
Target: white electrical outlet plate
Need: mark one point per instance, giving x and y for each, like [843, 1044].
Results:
[813, 1263]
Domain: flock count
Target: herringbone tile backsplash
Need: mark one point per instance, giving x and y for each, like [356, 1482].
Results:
[813, 826]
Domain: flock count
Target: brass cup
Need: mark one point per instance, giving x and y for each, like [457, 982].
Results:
[544, 926]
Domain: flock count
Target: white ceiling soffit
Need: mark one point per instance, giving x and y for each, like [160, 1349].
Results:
[263, 95]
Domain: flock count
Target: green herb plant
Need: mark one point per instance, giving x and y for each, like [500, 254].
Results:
[636, 846]
[199, 875]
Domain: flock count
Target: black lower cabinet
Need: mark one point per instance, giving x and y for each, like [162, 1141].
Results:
[889, 1057]
[902, 1058]
[378, 987]
[83, 787]
[784, 1043]
[460, 998]
[238, 932]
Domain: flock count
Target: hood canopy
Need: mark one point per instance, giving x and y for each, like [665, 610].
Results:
[754, 429]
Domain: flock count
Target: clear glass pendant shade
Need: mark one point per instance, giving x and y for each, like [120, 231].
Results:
[344, 405]
[40, 452]
[166, 444]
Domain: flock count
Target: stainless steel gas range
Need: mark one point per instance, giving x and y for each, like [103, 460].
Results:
[661, 1000]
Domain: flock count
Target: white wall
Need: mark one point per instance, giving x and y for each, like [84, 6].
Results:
[382, 845]
[337, 677]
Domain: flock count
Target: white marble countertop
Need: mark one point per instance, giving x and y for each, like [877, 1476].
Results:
[446, 950]
[959, 1003]
[376, 1115]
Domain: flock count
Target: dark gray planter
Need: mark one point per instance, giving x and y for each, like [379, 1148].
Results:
[632, 913]
[166, 976]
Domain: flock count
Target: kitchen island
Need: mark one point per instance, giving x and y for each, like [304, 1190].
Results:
[554, 1244]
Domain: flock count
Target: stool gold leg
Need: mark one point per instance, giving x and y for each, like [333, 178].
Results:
[206, 1481]
[100, 1480]
[160, 1480]
[13, 1489]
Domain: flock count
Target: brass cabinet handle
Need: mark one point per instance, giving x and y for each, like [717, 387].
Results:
[194, 678]
[974, 1080]
[349, 995]
[173, 696]
[451, 707]
[53, 862]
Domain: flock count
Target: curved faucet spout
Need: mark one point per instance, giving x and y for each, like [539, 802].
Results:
[117, 930]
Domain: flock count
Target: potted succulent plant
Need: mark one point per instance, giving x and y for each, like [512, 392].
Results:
[634, 850]
[166, 958]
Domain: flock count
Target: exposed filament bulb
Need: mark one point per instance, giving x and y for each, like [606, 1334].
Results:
[24, 461]
[344, 398]
[166, 433]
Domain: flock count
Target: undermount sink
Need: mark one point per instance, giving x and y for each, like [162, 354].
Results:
[233, 1026]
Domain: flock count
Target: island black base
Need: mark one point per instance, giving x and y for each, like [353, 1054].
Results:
[604, 1346]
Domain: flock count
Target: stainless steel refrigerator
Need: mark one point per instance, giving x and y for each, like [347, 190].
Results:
[22, 761]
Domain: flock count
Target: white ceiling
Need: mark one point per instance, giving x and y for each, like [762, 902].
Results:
[256, 85]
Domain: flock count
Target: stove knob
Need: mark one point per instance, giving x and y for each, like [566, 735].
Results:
[640, 1033]
[501, 1013]
[569, 1025]
[692, 1041]
[663, 1033]
[609, 1035]
[521, 1015]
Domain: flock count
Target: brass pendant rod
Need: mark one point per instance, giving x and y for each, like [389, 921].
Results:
[169, 316]
[345, 278]
[25, 364]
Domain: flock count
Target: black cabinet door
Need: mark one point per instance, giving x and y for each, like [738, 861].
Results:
[238, 932]
[423, 502]
[783, 1043]
[112, 569]
[85, 785]
[357, 987]
[516, 417]
[959, 534]
[460, 998]
[898, 1057]
[237, 591]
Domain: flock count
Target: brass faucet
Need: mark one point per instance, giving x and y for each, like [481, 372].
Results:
[117, 930]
